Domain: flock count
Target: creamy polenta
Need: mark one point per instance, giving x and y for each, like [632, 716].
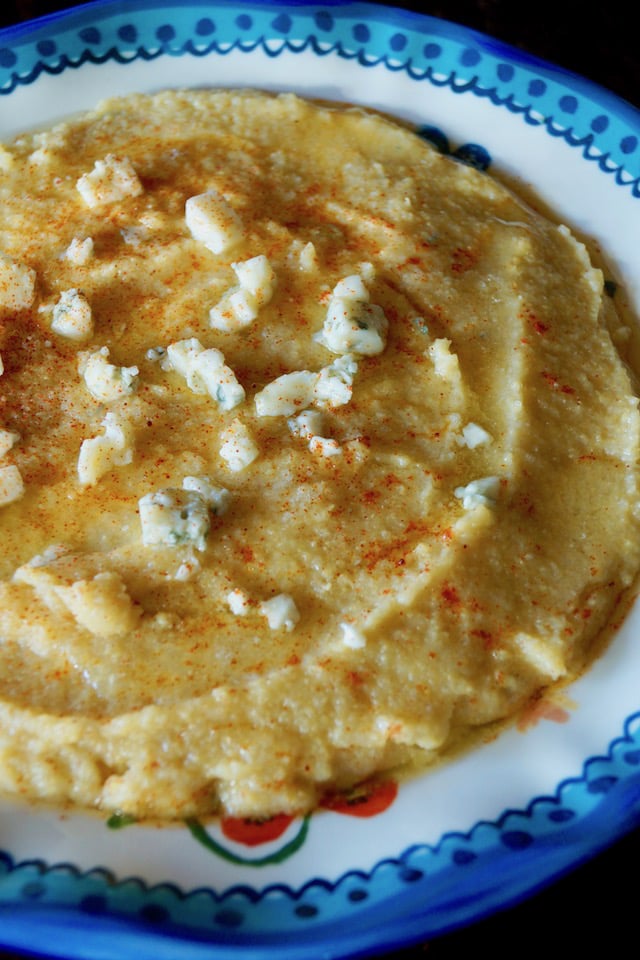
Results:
[316, 452]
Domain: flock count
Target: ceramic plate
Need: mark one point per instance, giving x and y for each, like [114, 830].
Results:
[495, 825]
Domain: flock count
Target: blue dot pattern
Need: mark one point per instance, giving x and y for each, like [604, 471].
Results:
[324, 21]
[90, 35]
[128, 33]
[357, 895]
[306, 911]
[93, 904]
[282, 23]
[8, 58]
[568, 104]
[385, 40]
[561, 815]
[432, 51]
[165, 33]
[205, 27]
[505, 72]
[153, 913]
[398, 42]
[470, 57]
[228, 918]
[46, 48]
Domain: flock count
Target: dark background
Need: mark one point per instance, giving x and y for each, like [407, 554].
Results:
[596, 905]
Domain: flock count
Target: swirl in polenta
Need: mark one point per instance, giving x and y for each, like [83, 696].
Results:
[317, 452]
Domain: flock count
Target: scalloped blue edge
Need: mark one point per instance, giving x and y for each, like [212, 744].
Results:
[588, 117]
[426, 890]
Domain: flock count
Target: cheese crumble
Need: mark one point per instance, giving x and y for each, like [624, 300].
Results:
[72, 316]
[105, 381]
[241, 305]
[213, 221]
[238, 449]
[205, 371]
[101, 454]
[173, 517]
[281, 612]
[111, 180]
[353, 324]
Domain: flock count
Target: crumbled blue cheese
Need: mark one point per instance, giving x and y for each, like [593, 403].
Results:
[111, 180]
[216, 498]
[334, 385]
[99, 455]
[7, 440]
[331, 387]
[239, 602]
[351, 288]
[325, 446]
[187, 570]
[154, 354]
[352, 324]
[479, 493]
[17, 284]
[72, 316]
[307, 424]
[213, 221]
[445, 363]
[238, 448]
[80, 252]
[105, 381]
[237, 310]
[172, 517]
[205, 372]
[257, 277]
[240, 306]
[302, 256]
[352, 637]
[11, 485]
[281, 612]
[287, 394]
[473, 436]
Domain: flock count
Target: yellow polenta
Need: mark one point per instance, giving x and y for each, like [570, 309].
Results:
[316, 451]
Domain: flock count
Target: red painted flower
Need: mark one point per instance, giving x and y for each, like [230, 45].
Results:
[254, 832]
[366, 800]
